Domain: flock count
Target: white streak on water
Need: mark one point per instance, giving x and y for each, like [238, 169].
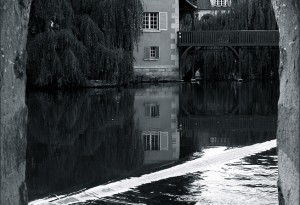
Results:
[209, 160]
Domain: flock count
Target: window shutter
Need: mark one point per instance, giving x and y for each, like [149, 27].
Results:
[163, 21]
[157, 110]
[157, 52]
[147, 110]
[147, 53]
[164, 140]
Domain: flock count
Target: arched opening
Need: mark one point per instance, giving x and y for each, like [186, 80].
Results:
[187, 67]
[13, 109]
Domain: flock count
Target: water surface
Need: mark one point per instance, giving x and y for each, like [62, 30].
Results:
[81, 139]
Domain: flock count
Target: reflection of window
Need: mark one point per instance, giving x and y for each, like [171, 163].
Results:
[150, 20]
[152, 110]
[213, 140]
[151, 140]
[218, 141]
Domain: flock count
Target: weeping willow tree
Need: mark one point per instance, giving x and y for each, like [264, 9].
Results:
[257, 63]
[72, 41]
[243, 15]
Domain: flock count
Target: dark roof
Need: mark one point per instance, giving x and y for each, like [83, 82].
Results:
[187, 5]
[204, 4]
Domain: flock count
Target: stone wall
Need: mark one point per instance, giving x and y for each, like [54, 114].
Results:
[14, 17]
[288, 18]
[166, 66]
[157, 73]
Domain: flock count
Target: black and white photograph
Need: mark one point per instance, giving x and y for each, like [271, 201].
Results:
[149, 102]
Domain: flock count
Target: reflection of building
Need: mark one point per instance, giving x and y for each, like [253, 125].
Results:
[156, 115]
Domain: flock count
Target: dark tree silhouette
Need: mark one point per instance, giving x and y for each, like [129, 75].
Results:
[71, 41]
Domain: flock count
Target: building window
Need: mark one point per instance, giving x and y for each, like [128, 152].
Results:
[151, 140]
[220, 3]
[152, 110]
[155, 21]
[150, 20]
[151, 53]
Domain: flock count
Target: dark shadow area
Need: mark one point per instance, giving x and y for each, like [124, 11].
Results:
[226, 114]
[77, 139]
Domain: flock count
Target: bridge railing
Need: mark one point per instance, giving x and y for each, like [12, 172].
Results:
[229, 38]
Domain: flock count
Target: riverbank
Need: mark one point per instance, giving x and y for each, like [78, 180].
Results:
[139, 81]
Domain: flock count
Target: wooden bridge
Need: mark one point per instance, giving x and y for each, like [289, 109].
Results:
[234, 40]
[228, 38]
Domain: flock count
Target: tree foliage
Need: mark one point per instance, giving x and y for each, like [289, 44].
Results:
[242, 15]
[71, 41]
[220, 64]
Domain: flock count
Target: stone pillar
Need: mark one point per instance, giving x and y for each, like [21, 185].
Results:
[288, 17]
[14, 17]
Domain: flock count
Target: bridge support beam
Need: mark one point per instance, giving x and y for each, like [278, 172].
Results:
[182, 57]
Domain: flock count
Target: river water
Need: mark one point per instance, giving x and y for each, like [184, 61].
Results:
[81, 139]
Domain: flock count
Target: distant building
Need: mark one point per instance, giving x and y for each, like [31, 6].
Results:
[156, 54]
[212, 7]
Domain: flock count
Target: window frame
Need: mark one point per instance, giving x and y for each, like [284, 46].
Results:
[220, 3]
[152, 110]
[151, 141]
[148, 21]
[149, 50]
[158, 24]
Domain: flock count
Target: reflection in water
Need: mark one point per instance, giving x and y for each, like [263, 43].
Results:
[226, 114]
[252, 180]
[79, 139]
[218, 99]
[156, 115]
[83, 139]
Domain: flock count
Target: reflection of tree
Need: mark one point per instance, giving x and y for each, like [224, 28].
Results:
[226, 114]
[209, 99]
[80, 138]
[265, 158]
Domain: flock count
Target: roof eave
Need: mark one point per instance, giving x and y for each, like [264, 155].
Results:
[192, 5]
